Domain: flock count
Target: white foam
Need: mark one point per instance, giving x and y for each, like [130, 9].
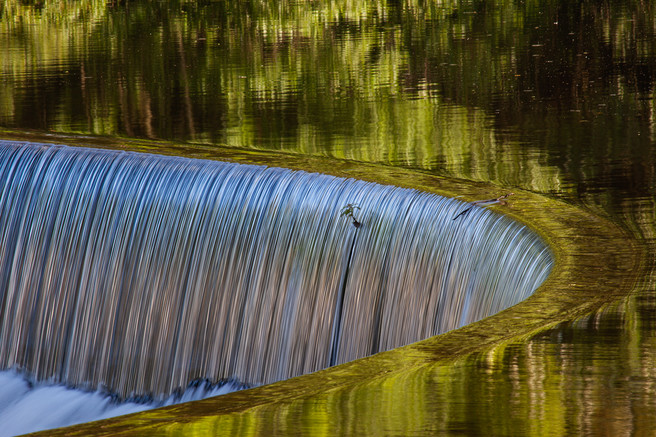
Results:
[27, 407]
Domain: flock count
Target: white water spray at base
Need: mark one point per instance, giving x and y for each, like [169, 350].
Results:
[27, 407]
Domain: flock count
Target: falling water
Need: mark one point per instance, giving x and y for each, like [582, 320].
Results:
[136, 274]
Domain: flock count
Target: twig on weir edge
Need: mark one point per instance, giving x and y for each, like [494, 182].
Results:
[349, 211]
[500, 199]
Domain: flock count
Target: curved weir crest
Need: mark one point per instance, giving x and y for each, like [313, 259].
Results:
[138, 274]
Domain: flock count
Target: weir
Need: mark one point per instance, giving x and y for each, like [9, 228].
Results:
[138, 274]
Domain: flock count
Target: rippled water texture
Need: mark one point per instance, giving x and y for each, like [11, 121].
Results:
[556, 97]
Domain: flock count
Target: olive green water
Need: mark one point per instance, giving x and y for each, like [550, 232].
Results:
[552, 97]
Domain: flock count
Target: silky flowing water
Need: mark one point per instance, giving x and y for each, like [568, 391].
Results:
[554, 97]
[142, 274]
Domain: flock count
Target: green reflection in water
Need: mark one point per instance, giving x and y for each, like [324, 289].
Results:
[372, 82]
[534, 94]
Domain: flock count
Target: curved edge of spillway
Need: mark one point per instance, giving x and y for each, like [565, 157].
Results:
[588, 253]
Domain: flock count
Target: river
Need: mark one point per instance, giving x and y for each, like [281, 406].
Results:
[553, 97]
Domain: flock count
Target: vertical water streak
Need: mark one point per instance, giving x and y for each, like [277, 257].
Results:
[140, 273]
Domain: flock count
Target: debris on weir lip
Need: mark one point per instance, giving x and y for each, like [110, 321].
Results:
[486, 202]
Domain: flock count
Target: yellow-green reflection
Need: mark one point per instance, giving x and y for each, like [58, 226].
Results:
[441, 86]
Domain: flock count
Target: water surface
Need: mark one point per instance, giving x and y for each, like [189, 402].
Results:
[551, 96]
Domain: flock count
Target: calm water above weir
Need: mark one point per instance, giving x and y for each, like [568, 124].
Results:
[554, 97]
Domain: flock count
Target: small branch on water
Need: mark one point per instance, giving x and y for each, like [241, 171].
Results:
[349, 211]
[501, 200]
